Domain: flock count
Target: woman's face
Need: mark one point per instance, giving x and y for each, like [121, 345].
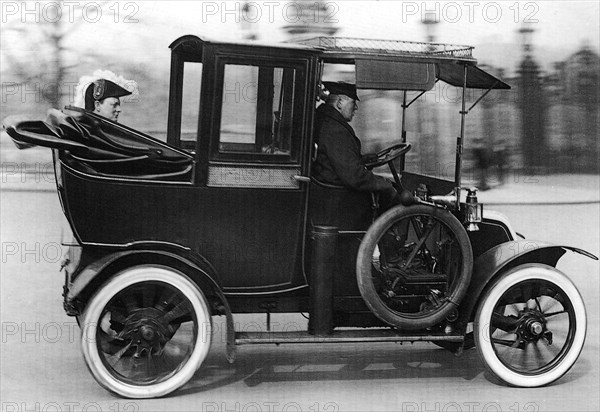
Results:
[109, 108]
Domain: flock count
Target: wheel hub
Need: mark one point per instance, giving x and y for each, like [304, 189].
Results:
[147, 331]
[536, 328]
[532, 326]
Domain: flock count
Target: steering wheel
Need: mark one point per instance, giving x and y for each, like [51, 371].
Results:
[387, 155]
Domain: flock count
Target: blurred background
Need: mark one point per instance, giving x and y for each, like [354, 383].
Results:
[548, 51]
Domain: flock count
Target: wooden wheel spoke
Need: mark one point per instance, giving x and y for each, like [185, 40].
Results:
[537, 304]
[110, 344]
[416, 226]
[548, 315]
[506, 342]
[515, 308]
[166, 298]
[539, 356]
[431, 224]
[180, 310]
[119, 354]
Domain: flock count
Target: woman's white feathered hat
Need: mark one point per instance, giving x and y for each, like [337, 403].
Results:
[100, 85]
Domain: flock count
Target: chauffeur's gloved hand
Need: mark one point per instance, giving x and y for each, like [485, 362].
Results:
[389, 198]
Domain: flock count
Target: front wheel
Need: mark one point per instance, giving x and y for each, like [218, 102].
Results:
[530, 326]
[146, 332]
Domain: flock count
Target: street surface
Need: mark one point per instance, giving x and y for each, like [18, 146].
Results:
[43, 369]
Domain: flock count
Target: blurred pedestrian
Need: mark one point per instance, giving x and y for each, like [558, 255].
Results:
[501, 159]
[483, 159]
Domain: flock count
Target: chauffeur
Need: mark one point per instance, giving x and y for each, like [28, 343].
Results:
[102, 97]
[339, 160]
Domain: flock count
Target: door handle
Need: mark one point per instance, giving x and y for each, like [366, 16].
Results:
[301, 178]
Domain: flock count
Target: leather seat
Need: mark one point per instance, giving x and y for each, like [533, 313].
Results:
[338, 206]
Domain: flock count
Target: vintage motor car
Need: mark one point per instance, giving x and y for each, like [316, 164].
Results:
[224, 218]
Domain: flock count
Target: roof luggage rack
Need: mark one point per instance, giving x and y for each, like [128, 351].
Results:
[391, 47]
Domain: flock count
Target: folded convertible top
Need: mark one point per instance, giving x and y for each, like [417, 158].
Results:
[99, 146]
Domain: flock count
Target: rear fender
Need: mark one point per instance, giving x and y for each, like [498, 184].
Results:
[100, 269]
[502, 258]
[199, 270]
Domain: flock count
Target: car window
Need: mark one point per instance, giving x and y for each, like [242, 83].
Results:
[258, 109]
[238, 115]
[190, 108]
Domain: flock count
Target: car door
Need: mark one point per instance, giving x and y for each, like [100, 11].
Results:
[256, 147]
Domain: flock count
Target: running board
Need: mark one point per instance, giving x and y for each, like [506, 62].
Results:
[341, 336]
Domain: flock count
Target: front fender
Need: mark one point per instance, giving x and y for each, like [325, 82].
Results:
[506, 256]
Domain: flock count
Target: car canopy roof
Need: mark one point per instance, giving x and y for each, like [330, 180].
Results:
[406, 65]
[380, 64]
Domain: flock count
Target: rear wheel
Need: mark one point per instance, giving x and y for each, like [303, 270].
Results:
[414, 266]
[530, 326]
[146, 332]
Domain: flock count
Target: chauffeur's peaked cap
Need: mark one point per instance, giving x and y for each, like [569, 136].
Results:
[342, 88]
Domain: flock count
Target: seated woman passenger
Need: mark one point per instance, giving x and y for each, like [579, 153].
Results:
[102, 97]
[101, 91]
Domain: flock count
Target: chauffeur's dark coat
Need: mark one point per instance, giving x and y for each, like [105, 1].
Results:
[339, 160]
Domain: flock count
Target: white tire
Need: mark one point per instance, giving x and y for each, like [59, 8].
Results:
[146, 331]
[530, 326]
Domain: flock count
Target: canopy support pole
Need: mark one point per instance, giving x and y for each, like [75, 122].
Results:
[459, 141]
[482, 96]
[404, 105]
[403, 133]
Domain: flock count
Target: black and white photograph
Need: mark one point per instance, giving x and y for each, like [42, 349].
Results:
[304, 205]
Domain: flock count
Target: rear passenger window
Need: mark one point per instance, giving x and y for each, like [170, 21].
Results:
[258, 111]
[238, 112]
